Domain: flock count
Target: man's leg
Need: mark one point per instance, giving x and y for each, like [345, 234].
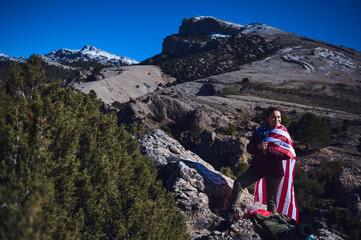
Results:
[243, 181]
[272, 184]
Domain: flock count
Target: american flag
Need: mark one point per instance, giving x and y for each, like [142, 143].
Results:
[280, 139]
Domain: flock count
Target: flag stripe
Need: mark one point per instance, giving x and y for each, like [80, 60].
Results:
[280, 138]
[256, 192]
[283, 190]
[282, 132]
[281, 146]
[264, 191]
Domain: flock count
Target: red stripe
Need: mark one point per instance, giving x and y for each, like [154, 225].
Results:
[256, 193]
[285, 129]
[284, 188]
[264, 192]
[290, 208]
[281, 137]
[293, 191]
[282, 128]
[281, 149]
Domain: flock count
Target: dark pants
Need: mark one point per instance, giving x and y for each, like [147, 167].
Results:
[249, 177]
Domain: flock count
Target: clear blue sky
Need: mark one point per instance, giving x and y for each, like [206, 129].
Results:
[136, 29]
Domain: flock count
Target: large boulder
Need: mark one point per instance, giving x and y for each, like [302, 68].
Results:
[198, 188]
[348, 181]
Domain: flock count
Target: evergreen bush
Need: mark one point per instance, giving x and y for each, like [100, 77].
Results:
[306, 190]
[312, 131]
[69, 172]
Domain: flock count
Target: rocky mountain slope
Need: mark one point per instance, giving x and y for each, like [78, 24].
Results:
[4, 57]
[72, 66]
[213, 116]
[87, 53]
[121, 84]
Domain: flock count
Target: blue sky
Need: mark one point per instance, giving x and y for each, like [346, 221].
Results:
[136, 29]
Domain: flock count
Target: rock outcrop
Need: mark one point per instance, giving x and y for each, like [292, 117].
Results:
[208, 25]
[198, 124]
[348, 181]
[198, 188]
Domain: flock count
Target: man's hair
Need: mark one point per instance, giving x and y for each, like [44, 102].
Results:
[270, 110]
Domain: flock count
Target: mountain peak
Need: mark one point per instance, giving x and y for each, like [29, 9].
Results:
[4, 57]
[89, 48]
[207, 25]
[88, 53]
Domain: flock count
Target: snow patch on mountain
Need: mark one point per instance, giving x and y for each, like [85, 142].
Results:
[217, 35]
[88, 53]
[259, 27]
[4, 57]
[334, 59]
[233, 25]
[251, 28]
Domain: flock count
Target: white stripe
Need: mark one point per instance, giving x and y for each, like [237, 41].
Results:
[280, 186]
[294, 210]
[260, 190]
[288, 195]
[281, 144]
[281, 132]
[289, 187]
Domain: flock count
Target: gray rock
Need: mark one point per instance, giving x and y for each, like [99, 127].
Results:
[354, 204]
[348, 181]
[198, 188]
[208, 25]
[324, 234]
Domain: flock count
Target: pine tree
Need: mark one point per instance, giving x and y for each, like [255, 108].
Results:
[69, 172]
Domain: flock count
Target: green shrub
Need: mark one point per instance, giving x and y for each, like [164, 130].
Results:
[227, 171]
[69, 172]
[344, 221]
[236, 172]
[312, 131]
[326, 172]
[196, 129]
[117, 104]
[240, 168]
[158, 117]
[306, 190]
[230, 130]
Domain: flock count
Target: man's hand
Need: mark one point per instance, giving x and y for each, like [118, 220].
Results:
[263, 146]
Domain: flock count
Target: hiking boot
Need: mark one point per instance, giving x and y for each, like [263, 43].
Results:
[229, 215]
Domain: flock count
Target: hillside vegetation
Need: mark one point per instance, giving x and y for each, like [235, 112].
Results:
[69, 172]
[196, 57]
